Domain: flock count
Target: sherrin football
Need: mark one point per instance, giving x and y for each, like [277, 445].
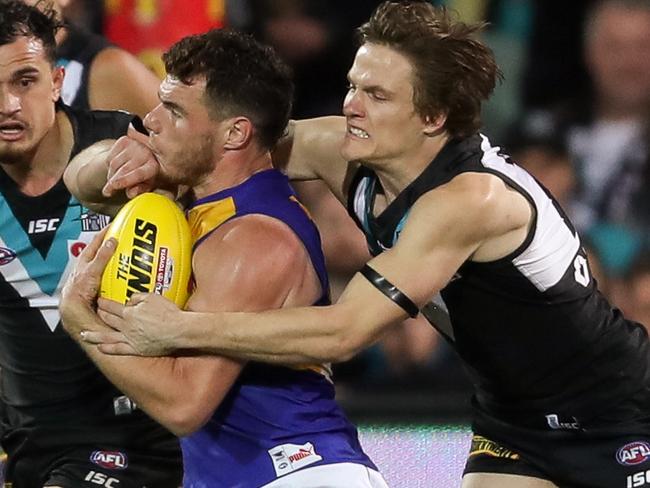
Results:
[154, 251]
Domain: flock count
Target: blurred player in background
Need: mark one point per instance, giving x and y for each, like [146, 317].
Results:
[63, 424]
[99, 75]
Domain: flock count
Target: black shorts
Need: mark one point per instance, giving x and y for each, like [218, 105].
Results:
[598, 455]
[126, 452]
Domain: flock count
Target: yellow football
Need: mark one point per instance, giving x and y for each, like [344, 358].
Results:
[154, 251]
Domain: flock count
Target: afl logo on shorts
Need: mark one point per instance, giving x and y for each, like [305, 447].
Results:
[6, 255]
[633, 453]
[109, 459]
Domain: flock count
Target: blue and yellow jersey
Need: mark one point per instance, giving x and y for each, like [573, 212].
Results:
[275, 420]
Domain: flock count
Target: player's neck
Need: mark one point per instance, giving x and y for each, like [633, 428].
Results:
[233, 169]
[397, 173]
[44, 167]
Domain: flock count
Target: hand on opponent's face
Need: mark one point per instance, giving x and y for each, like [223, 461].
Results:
[132, 165]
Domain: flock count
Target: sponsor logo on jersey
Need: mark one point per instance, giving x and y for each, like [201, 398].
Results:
[482, 445]
[93, 222]
[289, 457]
[642, 478]
[633, 453]
[6, 255]
[109, 459]
[554, 422]
[40, 226]
[102, 479]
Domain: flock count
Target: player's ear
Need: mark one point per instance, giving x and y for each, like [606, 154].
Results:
[58, 74]
[239, 133]
[434, 124]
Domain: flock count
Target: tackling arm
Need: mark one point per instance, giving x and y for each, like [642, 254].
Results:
[104, 175]
[445, 227]
[311, 150]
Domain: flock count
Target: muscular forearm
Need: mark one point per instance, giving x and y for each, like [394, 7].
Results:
[86, 176]
[160, 386]
[143, 380]
[327, 334]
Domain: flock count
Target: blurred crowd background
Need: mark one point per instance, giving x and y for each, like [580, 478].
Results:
[573, 108]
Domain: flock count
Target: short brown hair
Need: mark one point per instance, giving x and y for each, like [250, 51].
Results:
[243, 77]
[453, 72]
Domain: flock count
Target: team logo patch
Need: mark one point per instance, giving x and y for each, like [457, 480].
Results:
[76, 248]
[109, 459]
[93, 222]
[633, 453]
[290, 457]
[481, 445]
[6, 255]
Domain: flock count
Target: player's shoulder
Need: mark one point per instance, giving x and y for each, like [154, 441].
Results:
[256, 236]
[93, 119]
[480, 203]
[251, 248]
[90, 126]
[467, 192]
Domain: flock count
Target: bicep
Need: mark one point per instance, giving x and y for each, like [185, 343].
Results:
[438, 237]
[311, 150]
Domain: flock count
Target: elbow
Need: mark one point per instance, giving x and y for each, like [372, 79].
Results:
[355, 330]
[345, 347]
[183, 420]
[70, 180]
[346, 341]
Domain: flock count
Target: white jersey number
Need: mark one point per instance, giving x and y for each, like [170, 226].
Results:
[581, 270]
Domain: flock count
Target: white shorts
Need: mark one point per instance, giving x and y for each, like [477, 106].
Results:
[340, 475]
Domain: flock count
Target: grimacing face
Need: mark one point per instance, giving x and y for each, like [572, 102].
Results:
[382, 122]
[29, 87]
[181, 133]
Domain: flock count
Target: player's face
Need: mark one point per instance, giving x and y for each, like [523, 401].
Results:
[29, 86]
[182, 135]
[382, 123]
[618, 55]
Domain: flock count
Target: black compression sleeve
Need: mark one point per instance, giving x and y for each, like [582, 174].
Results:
[390, 290]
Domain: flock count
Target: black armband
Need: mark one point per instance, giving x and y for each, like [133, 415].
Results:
[390, 290]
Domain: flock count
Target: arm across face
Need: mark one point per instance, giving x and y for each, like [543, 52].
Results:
[106, 174]
[311, 150]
